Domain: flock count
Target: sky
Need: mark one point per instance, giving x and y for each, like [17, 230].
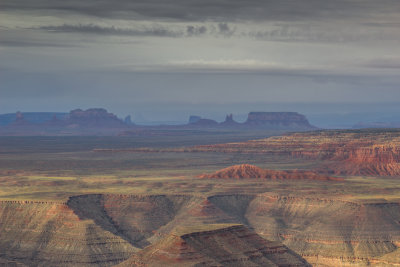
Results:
[166, 59]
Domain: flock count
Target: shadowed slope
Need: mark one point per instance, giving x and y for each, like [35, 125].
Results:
[51, 234]
[339, 231]
[132, 217]
[215, 245]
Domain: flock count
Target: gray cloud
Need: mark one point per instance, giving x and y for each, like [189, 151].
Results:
[221, 29]
[192, 10]
[196, 30]
[31, 43]
[95, 29]
[384, 63]
[225, 30]
[324, 50]
[324, 33]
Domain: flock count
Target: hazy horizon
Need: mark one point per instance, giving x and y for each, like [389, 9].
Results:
[57, 55]
[325, 115]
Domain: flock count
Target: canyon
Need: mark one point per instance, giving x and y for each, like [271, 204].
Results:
[152, 230]
[320, 198]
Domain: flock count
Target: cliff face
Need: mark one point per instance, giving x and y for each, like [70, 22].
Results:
[247, 171]
[226, 245]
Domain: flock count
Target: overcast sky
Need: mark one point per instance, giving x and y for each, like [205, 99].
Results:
[129, 55]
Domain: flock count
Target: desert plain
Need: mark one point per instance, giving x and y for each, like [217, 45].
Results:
[317, 198]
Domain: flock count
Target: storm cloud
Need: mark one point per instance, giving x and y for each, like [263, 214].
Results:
[190, 10]
[156, 50]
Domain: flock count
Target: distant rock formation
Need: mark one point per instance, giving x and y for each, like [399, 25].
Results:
[19, 117]
[33, 117]
[205, 123]
[247, 171]
[94, 117]
[99, 121]
[278, 120]
[229, 118]
[20, 121]
[259, 120]
[194, 119]
[230, 122]
[215, 245]
[128, 120]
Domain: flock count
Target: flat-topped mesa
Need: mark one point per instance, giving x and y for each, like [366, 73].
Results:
[278, 119]
[204, 123]
[247, 171]
[194, 119]
[94, 117]
[215, 245]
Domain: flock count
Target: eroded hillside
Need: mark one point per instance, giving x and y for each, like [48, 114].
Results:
[247, 171]
[215, 245]
[367, 152]
[104, 230]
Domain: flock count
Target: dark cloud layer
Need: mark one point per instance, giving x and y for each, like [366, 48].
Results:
[95, 29]
[190, 10]
[220, 29]
[249, 50]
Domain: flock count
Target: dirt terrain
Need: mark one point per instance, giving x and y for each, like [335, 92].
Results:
[64, 204]
[356, 152]
[103, 230]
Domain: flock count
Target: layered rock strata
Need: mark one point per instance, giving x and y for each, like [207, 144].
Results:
[232, 245]
[247, 171]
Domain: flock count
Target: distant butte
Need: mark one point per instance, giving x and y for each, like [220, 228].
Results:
[99, 121]
[94, 117]
[278, 120]
[247, 171]
[259, 120]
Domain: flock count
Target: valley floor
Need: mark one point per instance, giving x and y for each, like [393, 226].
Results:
[62, 204]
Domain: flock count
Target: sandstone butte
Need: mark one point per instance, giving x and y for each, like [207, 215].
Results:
[215, 245]
[247, 171]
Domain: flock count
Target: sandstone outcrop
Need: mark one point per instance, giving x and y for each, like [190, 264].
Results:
[247, 171]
